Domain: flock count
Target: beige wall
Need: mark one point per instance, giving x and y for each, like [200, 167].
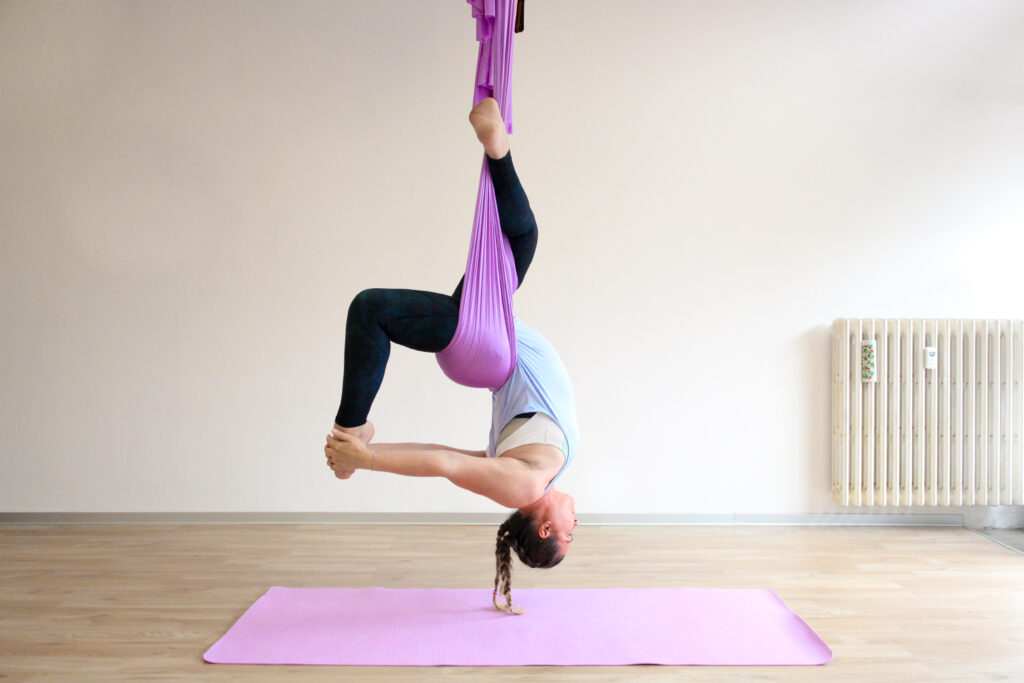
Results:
[191, 193]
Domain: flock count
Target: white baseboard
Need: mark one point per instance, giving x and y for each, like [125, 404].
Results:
[473, 518]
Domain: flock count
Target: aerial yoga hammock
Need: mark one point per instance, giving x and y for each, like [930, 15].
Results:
[483, 351]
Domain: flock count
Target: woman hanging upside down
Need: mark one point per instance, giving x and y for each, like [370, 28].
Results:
[533, 426]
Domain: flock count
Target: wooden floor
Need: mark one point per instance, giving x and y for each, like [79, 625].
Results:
[145, 602]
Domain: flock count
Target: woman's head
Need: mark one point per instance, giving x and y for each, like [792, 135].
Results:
[540, 533]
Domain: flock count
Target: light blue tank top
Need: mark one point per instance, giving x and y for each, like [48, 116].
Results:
[539, 384]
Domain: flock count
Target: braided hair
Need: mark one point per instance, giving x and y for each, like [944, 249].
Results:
[519, 533]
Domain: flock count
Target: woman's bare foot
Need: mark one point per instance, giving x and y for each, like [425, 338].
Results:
[490, 128]
[364, 433]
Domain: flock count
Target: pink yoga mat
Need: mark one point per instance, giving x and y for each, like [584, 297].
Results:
[431, 627]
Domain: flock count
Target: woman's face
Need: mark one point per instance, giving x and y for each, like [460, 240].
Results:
[560, 520]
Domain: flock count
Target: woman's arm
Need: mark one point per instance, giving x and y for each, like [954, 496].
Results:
[410, 459]
[506, 481]
[428, 447]
[416, 459]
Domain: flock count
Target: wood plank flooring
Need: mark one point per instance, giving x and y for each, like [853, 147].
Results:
[145, 602]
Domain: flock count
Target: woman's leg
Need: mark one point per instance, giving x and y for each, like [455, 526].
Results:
[515, 215]
[424, 321]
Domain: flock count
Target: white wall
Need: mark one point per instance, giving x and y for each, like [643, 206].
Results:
[191, 193]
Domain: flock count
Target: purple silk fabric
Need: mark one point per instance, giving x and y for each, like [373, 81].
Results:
[483, 351]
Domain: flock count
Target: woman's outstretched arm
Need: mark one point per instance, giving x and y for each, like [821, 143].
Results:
[506, 481]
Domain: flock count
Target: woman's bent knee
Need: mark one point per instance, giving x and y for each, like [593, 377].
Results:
[365, 303]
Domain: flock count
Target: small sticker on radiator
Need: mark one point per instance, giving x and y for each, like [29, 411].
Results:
[867, 361]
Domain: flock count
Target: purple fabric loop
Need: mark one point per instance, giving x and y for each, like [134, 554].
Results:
[483, 351]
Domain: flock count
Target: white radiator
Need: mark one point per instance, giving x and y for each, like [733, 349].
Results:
[927, 412]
